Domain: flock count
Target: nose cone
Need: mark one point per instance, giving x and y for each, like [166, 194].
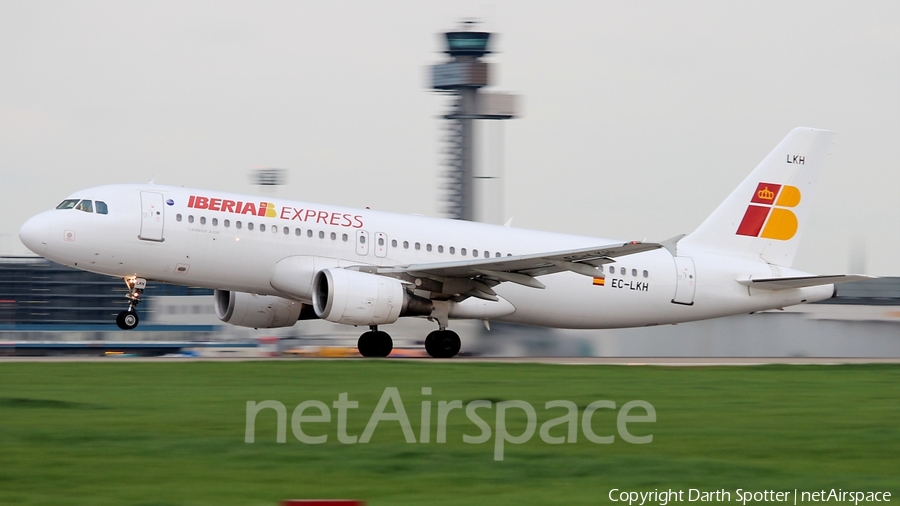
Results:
[35, 233]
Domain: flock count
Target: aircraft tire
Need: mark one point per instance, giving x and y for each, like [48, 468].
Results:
[442, 344]
[127, 320]
[375, 344]
[383, 344]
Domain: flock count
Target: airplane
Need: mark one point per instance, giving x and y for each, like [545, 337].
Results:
[273, 262]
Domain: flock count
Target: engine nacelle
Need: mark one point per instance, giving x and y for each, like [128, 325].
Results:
[358, 298]
[256, 311]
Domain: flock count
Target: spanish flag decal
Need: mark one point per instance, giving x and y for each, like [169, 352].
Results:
[599, 281]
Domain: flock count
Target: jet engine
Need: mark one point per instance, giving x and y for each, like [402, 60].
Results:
[257, 311]
[359, 298]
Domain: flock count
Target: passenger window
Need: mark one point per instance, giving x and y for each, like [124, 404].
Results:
[393, 243]
[462, 252]
[646, 274]
[178, 217]
[333, 236]
[297, 232]
[86, 206]
[215, 222]
[612, 270]
[190, 218]
[622, 271]
[497, 255]
[237, 225]
[487, 254]
[262, 227]
[287, 231]
[309, 232]
[440, 249]
[452, 250]
[427, 247]
[634, 272]
[203, 220]
[474, 253]
[362, 239]
[344, 237]
[67, 204]
[101, 207]
[418, 246]
[227, 223]
[321, 234]
[250, 226]
[405, 244]
[275, 229]
[381, 241]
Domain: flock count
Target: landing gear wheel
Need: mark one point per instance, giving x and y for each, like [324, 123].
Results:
[127, 320]
[375, 343]
[442, 344]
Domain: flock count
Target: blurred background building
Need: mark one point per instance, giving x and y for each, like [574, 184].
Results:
[472, 188]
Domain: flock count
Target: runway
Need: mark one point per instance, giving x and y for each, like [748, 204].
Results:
[585, 361]
[689, 361]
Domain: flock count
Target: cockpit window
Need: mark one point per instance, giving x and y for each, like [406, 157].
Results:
[67, 204]
[86, 206]
[101, 207]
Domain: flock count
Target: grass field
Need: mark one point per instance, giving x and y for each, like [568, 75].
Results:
[166, 433]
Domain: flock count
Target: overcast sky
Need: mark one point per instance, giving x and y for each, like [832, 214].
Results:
[639, 117]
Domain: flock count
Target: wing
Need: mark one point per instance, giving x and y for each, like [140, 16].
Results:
[476, 277]
[800, 281]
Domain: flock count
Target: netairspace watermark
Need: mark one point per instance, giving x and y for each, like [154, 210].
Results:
[744, 497]
[301, 420]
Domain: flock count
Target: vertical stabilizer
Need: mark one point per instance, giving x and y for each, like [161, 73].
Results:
[764, 217]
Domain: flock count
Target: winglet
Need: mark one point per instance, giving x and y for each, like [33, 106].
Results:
[671, 244]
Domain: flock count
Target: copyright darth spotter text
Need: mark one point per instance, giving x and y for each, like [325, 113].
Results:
[744, 497]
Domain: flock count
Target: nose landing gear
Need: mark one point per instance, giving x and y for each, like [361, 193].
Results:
[128, 319]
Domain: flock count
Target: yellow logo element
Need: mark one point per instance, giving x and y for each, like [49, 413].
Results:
[782, 225]
[270, 210]
[790, 197]
[766, 194]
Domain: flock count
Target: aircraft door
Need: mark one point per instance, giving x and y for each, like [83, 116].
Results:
[362, 242]
[152, 216]
[380, 244]
[686, 281]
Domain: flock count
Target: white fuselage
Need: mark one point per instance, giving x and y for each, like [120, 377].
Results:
[151, 232]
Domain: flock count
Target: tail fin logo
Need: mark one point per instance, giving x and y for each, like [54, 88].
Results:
[765, 194]
[771, 220]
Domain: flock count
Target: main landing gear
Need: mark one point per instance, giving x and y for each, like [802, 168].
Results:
[128, 319]
[375, 343]
[441, 343]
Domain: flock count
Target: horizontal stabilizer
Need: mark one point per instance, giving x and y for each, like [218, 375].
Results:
[800, 281]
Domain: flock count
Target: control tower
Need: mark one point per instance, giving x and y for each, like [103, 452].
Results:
[463, 76]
